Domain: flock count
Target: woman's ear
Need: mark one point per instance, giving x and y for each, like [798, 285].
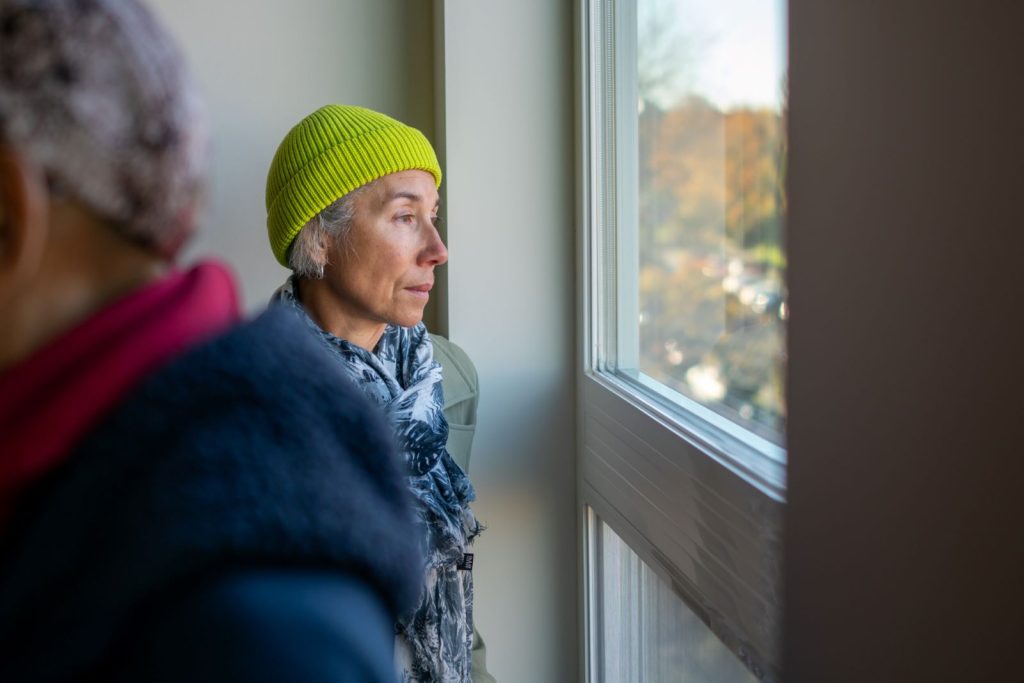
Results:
[24, 219]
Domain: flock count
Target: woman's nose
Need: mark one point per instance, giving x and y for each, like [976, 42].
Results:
[435, 253]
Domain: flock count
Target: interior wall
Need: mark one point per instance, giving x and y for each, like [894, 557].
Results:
[507, 122]
[903, 542]
[262, 66]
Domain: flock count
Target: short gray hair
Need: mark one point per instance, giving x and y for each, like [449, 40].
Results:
[307, 256]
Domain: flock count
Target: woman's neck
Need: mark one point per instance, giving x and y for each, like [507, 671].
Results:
[85, 266]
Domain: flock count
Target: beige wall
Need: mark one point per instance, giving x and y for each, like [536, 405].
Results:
[263, 65]
[507, 122]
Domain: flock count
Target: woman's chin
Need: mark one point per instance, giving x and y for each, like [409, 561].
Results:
[411, 319]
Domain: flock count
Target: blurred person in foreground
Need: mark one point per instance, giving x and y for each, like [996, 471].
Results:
[352, 202]
[182, 496]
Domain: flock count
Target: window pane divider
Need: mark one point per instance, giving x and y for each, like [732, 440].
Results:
[756, 460]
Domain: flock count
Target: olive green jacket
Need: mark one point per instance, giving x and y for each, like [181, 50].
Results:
[461, 392]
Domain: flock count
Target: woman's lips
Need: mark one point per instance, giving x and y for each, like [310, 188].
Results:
[420, 290]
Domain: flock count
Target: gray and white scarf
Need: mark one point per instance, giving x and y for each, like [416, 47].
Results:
[433, 642]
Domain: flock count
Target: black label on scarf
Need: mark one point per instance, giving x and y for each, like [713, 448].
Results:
[467, 562]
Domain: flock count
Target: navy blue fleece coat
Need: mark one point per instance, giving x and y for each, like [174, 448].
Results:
[239, 516]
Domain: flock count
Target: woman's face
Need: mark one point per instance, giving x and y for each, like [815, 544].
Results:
[382, 272]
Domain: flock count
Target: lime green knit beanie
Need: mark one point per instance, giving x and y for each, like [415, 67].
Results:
[331, 152]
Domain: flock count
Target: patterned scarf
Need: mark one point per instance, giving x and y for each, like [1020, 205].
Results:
[433, 642]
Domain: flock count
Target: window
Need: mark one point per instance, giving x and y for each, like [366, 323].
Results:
[706, 211]
[648, 633]
[682, 410]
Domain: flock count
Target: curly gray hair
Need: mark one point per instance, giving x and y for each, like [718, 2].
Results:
[96, 93]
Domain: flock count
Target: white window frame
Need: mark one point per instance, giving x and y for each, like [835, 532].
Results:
[696, 496]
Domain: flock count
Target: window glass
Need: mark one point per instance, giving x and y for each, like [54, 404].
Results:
[647, 632]
[708, 207]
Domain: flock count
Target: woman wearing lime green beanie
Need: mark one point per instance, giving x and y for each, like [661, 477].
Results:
[352, 208]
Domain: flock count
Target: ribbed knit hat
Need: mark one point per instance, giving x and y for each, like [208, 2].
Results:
[331, 152]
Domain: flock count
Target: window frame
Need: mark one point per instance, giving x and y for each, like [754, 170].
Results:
[698, 498]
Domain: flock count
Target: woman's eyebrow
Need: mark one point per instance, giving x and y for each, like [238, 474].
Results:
[412, 196]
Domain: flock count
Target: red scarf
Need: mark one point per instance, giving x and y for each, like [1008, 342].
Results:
[52, 399]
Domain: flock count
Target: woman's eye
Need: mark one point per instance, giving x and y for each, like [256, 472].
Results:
[406, 218]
